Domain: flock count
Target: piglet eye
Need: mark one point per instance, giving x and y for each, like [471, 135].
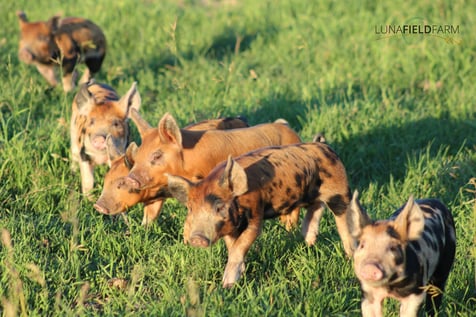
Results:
[116, 124]
[220, 208]
[393, 248]
[120, 184]
[156, 156]
[44, 38]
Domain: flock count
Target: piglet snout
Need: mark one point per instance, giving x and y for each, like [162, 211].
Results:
[25, 55]
[199, 240]
[99, 142]
[371, 272]
[101, 209]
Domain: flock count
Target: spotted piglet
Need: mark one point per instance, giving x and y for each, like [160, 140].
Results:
[63, 42]
[407, 257]
[239, 194]
[97, 112]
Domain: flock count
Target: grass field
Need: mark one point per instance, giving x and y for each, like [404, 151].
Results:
[399, 111]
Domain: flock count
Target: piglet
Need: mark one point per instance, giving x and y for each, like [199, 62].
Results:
[239, 194]
[407, 257]
[63, 42]
[98, 111]
[116, 196]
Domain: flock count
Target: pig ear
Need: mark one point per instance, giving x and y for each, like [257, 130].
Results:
[140, 123]
[410, 222]
[169, 131]
[357, 217]
[320, 138]
[84, 98]
[234, 178]
[22, 17]
[178, 187]
[243, 119]
[131, 100]
[281, 121]
[113, 152]
[130, 155]
[54, 22]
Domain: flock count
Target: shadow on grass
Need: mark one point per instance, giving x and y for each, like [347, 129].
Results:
[375, 155]
[385, 150]
[278, 107]
[228, 43]
[231, 41]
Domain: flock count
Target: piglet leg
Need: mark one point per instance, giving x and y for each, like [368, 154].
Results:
[87, 178]
[47, 71]
[310, 224]
[371, 307]
[290, 220]
[69, 81]
[237, 251]
[152, 211]
[410, 305]
[86, 77]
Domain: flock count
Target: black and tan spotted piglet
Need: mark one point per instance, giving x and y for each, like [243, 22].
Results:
[62, 42]
[407, 257]
[235, 198]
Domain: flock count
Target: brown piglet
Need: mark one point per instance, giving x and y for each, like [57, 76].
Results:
[116, 196]
[193, 154]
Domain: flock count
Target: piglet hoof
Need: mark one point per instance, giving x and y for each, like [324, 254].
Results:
[232, 273]
[310, 241]
[145, 222]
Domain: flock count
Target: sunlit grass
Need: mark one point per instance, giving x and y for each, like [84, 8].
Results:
[400, 114]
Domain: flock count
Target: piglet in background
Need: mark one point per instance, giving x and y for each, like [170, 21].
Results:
[61, 42]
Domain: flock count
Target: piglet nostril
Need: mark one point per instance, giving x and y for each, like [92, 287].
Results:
[101, 209]
[372, 272]
[199, 240]
[99, 142]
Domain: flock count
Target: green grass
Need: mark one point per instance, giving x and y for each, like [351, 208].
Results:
[400, 113]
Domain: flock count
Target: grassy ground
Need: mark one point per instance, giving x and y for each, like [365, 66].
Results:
[399, 111]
